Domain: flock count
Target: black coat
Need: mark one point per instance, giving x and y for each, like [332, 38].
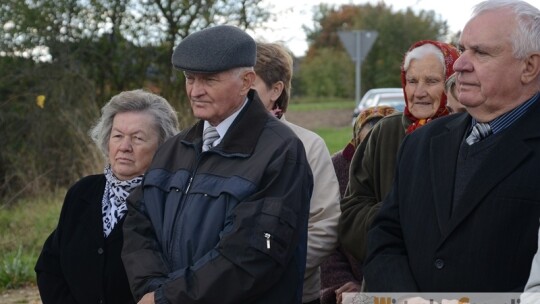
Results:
[77, 264]
[487, 243]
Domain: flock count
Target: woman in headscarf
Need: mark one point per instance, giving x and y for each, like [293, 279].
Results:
[80, 261]
[363, 123]
[425, 68]
[340, 272]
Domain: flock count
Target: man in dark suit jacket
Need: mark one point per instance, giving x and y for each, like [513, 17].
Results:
[463, 213]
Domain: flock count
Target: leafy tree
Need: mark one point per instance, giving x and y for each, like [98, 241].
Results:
[78, 54]
[396, 32]
[329, 73]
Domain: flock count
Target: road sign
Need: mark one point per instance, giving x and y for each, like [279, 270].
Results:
[358, 44]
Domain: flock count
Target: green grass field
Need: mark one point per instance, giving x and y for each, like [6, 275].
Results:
[335, 138]
[23, 229]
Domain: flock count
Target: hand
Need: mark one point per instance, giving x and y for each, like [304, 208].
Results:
[147, 299]
[347, 287]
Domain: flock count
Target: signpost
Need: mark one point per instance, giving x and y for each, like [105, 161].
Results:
[358, 43]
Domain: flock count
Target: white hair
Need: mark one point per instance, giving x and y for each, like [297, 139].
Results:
[421, 52]
[524, 39]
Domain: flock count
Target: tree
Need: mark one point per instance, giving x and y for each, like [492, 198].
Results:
[78, 54]
[397, 31]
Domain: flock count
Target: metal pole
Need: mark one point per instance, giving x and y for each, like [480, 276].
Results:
[358, 64]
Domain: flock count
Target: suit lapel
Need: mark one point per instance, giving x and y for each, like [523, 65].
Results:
[443, 154]
[510, 151]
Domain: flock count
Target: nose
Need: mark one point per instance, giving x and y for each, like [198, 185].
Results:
[420, 89]
[125, 144]
[462, 64]
[196, 89]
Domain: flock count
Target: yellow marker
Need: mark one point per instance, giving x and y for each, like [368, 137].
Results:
[40, 101]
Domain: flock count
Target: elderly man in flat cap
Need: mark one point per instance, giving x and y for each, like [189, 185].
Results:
[221, 216]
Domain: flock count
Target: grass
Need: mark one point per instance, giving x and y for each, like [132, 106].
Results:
[23, 229]
[335, 138]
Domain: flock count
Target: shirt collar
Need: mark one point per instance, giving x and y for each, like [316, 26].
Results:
[223, 126]
[507, 119]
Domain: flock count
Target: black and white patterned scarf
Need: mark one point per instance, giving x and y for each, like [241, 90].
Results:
[113, 204]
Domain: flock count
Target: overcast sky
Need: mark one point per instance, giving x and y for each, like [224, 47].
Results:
[293, 14]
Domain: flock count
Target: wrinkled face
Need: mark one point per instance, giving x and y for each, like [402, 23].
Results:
[132, 144]
[265, 93]
[488, 75]
[424, 86]
[214, 97]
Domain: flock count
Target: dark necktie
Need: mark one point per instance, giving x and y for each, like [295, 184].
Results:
[210, 135]
[479, 132]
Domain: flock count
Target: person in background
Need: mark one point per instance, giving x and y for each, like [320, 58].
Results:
[364, 122]
[274, 70]
[340, 272]
[222, 213]
[463, 212]
[426, 66]
[452, 103]
[80, 261]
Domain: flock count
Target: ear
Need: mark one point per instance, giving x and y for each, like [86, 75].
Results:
[531, 69]
[276, 90]
[248, 78]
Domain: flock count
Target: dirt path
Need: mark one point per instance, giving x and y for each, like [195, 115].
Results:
[321, 119]
[26, 295]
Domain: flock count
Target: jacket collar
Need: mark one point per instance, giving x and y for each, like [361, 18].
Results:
[243, 134]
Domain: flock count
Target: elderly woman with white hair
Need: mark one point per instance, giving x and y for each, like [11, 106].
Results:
[425, 68]
[80, 261]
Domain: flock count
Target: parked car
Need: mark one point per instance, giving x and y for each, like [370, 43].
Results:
[381, 96]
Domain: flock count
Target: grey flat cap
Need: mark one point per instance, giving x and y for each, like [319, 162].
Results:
[215, 49]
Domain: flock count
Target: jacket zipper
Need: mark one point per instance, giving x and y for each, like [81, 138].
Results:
[267, 236]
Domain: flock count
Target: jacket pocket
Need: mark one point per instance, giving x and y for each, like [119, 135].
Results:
[274, 233]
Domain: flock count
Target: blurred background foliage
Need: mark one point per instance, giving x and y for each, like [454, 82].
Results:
[61, 60]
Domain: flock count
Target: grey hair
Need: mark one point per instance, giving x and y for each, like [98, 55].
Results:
[449, 85]
[524, 39]
[421, 52]
[165, 117]
[238, 72]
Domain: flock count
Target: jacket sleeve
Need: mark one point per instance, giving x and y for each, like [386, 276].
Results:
[145, 268]
[256, 246]
[386, 268]
[359, 204]
[324, 207]
[50, 278]
[338, 270]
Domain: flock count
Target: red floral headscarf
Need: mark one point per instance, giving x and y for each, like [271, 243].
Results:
[450, 54]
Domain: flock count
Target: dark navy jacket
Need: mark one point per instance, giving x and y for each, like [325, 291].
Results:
[224, 226]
